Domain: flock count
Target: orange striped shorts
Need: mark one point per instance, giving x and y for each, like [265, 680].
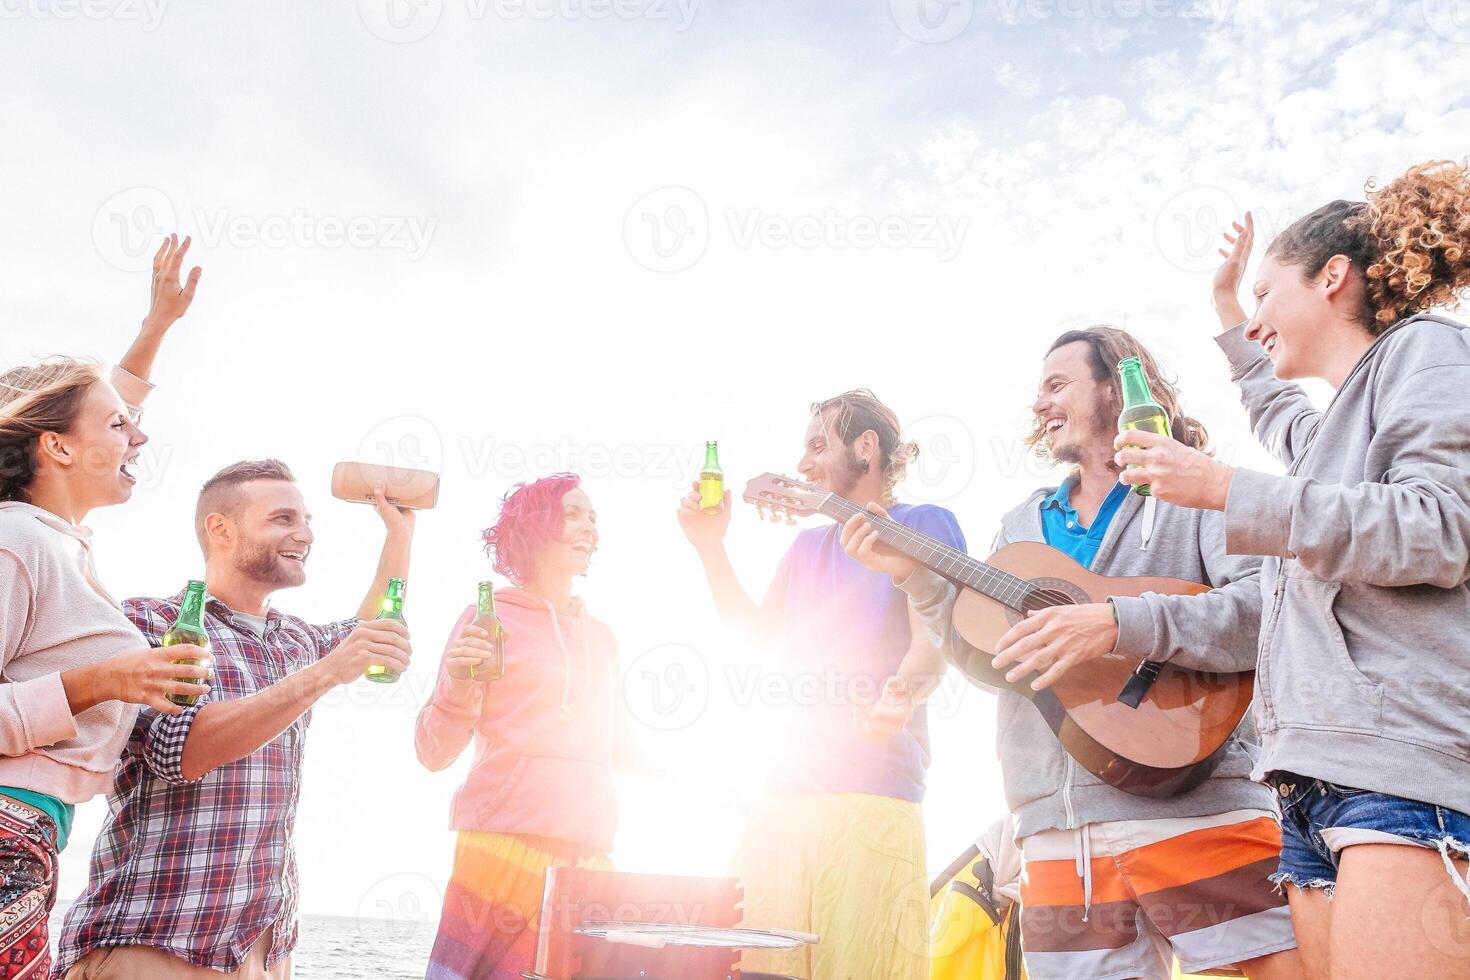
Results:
[1125, 898]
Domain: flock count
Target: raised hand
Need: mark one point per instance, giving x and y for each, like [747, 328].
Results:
[398, 520]
[171, 297]
[704, 531]
[860, 541]
[1226, 285]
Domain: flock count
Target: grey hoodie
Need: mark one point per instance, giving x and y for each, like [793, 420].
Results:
[1045, 789]
[1365, 641]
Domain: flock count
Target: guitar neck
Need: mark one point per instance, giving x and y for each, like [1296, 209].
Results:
[937, 556]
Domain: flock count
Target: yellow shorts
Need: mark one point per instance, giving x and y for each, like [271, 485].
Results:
[848, 867]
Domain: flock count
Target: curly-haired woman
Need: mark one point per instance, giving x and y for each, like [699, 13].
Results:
[1363, 697]
[540, 792]
[74, 668]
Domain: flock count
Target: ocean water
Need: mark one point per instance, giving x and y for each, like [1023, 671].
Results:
[333, 948]
[343, 948]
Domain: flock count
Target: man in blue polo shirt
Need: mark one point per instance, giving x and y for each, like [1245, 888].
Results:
[1068, 531]
[1118, 886]
[837, 846]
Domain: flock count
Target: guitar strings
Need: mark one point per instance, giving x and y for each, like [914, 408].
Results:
[1016, 593]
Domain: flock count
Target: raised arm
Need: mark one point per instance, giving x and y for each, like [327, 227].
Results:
[170, 301]
[706, 532]
[1281, 415]
[394, 559]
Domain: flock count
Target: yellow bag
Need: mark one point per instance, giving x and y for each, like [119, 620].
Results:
[974, 935]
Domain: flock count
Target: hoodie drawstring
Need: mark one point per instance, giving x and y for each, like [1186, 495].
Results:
[1084, 868]
[566, 656]
[1150, 504]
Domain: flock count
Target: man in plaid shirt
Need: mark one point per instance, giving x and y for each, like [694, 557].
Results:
[194, 874]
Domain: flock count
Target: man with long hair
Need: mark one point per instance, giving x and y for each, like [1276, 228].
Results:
[1118, 885]
[837, 848]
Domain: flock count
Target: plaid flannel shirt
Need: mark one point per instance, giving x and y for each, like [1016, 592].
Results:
[202, 868]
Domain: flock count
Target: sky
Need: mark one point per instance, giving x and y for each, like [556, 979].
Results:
[500, 238]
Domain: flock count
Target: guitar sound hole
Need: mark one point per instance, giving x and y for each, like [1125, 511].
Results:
[1048, 592]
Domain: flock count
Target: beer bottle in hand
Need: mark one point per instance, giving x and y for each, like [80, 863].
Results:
[493, 668]
[392, 609]
[188, 628]
[711, 480]
[1140, 411]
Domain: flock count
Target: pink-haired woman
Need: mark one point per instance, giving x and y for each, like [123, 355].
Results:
[540, 793]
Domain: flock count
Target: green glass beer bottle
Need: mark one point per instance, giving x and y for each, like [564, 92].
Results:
[392, 609]
[188, 628]
[711, 481]
[492, 669]
[1140, 411]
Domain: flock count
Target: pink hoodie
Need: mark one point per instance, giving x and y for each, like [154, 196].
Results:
[544, 734]
[55, 615]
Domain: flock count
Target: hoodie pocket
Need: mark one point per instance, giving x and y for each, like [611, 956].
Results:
[507, 788]
[1314, 681]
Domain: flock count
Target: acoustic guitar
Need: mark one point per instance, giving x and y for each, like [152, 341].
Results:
[1149, 729]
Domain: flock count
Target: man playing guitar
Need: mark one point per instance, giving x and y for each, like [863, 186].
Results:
[1116, 885]
[837, 849]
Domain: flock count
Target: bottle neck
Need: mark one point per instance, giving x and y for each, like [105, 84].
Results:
[191, 612]
[486, 605]
[1135, 388]
[393, 601]
[711, 458]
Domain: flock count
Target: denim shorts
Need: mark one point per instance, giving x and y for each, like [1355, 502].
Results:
[1319, 819]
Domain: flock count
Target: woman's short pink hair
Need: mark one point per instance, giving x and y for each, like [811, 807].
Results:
[531, 517]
